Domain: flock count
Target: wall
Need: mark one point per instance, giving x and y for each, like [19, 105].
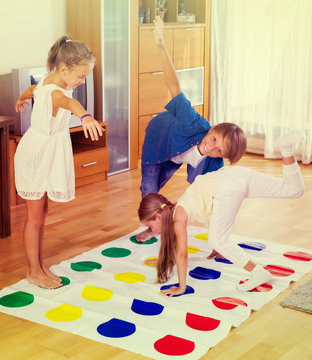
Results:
[28, 28]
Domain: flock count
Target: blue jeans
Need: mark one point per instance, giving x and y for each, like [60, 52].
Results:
[155, 176]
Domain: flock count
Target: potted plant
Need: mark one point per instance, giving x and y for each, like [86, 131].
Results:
[160, 8]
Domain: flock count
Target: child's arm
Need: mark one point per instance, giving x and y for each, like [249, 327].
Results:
[23, 98]
[89, 124]
[170, 74]
[180, 224]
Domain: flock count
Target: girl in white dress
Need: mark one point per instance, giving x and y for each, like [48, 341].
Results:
[214, 200]
[44, 165]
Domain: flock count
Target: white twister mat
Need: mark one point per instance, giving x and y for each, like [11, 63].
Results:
[110, 296]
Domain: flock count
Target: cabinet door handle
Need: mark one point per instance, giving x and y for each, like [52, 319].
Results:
[89, 164]
[157, 73]
[190, 28]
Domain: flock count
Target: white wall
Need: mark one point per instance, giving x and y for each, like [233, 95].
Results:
[28, 29]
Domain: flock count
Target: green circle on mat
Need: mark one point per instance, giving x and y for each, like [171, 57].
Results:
[115, 252]
[148, 242]
[17, 299]
[85, 266]
[65, 281]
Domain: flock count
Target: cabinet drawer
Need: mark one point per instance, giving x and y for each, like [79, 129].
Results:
[149, 58]
[153, 93]
[91, 162]
[188, 47]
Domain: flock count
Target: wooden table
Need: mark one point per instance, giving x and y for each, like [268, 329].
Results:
[5, 216]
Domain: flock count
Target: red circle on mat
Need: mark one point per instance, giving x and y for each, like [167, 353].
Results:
[261, 288]
[298, 256]
[228, 303]
[172, 345]
[277, 270]
[202, 323]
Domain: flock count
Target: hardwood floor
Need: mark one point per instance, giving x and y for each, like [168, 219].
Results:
[107, 210]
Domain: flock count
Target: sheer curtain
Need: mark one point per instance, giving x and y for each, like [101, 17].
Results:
[261, 70]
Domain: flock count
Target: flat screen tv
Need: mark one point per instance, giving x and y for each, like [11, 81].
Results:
[22, 78]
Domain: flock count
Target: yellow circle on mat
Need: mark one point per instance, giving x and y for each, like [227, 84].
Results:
[64, 313]
[150, 258]
[129, 277]
[192, 249]
[203, 236]
[94, 293]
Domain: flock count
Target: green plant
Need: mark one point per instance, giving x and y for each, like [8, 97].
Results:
[160, 6]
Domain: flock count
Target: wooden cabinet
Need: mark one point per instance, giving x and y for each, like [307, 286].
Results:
[90, 159]
[186, 47]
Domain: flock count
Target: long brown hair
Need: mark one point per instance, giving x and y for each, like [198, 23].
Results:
[70, 52]
[234, 140]
[151, 205]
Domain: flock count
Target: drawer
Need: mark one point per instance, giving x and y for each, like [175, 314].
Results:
[91, 162]
[188, 47]
[149, 58]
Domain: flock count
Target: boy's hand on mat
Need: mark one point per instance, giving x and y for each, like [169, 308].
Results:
[174, 290]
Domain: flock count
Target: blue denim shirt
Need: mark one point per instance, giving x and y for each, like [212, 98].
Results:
[175, 131]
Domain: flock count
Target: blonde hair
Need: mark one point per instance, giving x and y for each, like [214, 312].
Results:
[235, 140]
[151, 205]
[70, 52]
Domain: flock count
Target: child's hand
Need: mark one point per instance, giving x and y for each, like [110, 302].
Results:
[159, 31]
[92, 126]
[19, 106]
[174, 290]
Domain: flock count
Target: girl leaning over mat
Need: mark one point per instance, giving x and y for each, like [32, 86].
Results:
[44, 165]
[218, 196]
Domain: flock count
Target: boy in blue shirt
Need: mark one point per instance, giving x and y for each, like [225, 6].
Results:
[180, 135]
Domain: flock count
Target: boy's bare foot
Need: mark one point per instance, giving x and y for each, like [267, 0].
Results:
[145, 235]
[48, 272]
[214, 253]
[43, 280]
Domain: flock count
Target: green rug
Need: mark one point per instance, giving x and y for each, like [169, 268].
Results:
[300, 299]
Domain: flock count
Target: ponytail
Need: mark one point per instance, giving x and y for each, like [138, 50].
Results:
[70, 52]
[151, 205]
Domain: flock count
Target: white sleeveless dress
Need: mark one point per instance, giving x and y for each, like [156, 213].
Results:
[44, 157]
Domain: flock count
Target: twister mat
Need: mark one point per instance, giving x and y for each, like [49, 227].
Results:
[109, 295]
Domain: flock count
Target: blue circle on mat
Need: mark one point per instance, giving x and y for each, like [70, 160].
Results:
[224, 261]
[204, 273]
[189, 289]
[116, 328]
[146, 308]
[252, 246]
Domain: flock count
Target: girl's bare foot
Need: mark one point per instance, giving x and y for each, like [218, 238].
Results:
[42, 280]
[48, 272]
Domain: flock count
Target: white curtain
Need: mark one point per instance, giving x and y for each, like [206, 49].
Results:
[261, 70]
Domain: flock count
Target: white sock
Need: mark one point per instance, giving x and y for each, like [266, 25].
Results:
[258, 276]
[286, 142]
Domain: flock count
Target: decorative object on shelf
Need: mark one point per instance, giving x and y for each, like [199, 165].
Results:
[141, 15]
[147, 15]
[186, 18]
[182, 8]
[160, 8]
